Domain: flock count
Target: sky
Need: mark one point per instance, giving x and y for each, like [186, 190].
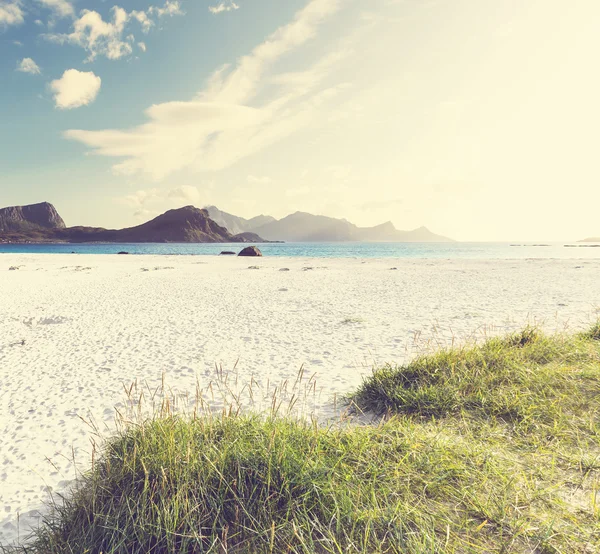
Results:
[476, 118]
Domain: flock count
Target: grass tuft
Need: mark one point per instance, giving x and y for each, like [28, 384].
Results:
[490, 448]
[593, 333]
[526, 378]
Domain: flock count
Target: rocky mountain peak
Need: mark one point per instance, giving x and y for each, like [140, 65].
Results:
[33, 216]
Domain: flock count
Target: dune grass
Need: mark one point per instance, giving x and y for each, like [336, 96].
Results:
[491, 448]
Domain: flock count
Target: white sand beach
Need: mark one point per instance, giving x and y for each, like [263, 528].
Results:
[76, 330]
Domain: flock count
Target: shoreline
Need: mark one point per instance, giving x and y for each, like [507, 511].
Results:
[325, 251]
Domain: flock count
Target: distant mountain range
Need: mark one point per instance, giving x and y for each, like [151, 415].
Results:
[590, 239]
[235, 224]
[305, 227]
[42, 223]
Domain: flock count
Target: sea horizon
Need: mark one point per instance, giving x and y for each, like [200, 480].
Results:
[367, 250]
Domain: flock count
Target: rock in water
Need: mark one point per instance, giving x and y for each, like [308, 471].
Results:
[250, 251]
[227, 253]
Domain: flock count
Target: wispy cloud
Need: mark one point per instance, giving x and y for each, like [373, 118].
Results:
[140, 198]
[27, 65]
[60, 8]
[186, 193]
[221, 126]
[143, 19]
[11, 13]
[75, 89]
[107, 38]
[171, 8]
[148, 203]
[228, 6]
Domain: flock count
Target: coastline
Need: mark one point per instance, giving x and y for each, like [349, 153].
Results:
[94, 324]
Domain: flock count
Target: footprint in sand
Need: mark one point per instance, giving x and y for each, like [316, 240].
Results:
[53, 320]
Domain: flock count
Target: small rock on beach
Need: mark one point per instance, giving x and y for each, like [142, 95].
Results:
[250, 251]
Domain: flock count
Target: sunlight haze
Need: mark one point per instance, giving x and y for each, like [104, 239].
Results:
[476, 118]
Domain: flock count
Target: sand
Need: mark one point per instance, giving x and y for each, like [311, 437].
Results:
[76, 330]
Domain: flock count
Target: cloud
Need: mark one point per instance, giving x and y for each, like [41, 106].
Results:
[11, 13]
[96, 36]
[140, 198]
[27, 65]
[219, 126]
[151, 202]
[107, 38]
[60, 8]
[75, 89]
[142, 46]
[171, 8]
[143, 20]
[185, 192]
[228, 6]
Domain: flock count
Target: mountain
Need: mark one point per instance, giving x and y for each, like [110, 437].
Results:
[42, 223]
[32, 218]
[188, 224]
[235, 224]
[590, 239]
[305, 227]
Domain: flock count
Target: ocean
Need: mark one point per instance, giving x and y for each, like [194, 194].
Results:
[454, 250]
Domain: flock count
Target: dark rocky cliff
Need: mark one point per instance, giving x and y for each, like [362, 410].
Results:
[30, 218]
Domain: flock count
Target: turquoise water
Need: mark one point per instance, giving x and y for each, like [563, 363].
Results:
[477, 250]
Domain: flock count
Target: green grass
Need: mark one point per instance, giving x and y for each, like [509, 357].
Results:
[491, 448]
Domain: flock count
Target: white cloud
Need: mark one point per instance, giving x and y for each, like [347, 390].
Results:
[27, 65]
[149, 203]
[60, 8]
[75, 89]
[185, 192]
[220, 127]
[142, 46]
[228, 6]
[11, 13]
[143, 19]
[240, 84]
[107, 38]
[171, 8]
[96, 36]
[140, 198]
